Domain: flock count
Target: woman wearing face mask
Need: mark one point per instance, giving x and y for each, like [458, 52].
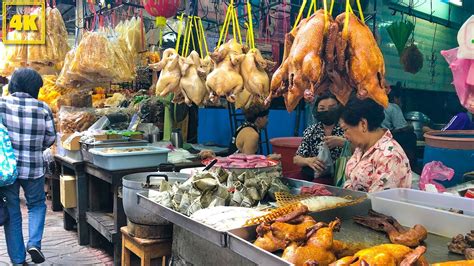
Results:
[378, 162]
[327, 130]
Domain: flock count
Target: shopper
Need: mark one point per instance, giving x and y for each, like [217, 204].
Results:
[402, 131]
[31, 129]
[378, 162]
[461, 121]
[326, 130]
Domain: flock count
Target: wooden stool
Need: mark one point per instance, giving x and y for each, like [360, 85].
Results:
[145, 249]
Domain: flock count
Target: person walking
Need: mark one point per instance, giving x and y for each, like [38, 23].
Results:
[31, 129]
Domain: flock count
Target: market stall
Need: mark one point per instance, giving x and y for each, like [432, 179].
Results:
[123, 97]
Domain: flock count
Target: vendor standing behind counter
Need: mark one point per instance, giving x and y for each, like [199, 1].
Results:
[378, 162]
[247, 136]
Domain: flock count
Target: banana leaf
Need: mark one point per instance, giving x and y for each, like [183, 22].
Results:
[399, 32]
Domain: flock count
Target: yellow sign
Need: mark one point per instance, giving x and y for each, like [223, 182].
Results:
[24, 22]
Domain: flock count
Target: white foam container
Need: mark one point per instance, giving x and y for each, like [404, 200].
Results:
[412, 207]
[152, 156]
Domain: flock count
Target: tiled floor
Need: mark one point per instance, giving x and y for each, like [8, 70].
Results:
[59, 246]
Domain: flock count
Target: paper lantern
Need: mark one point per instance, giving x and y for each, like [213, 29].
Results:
[161, 8]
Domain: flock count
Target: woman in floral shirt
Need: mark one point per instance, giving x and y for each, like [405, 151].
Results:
[378, 162]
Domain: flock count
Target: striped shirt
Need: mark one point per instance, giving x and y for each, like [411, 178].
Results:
[31, 129]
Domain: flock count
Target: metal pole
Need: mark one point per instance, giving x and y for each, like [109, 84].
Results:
[79, 19]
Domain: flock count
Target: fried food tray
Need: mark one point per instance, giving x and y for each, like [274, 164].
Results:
[240, 240]
[220, 238]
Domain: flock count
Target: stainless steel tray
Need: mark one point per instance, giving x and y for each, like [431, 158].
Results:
[240, 240]
[216, 237]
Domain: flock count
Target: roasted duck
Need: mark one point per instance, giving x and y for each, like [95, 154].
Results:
[387, 255]
[318, 249]
[397, 234]
[302, 69]
[225, 79]
[366, 67]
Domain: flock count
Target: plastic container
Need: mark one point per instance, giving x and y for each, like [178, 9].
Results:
[88, 157]
[152, 156]
[287, 147]
[454, 148]
[412, 207]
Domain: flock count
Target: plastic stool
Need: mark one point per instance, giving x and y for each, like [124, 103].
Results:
[145, 249]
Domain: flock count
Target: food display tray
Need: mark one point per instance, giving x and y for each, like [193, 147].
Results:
[419, 207]
[89, 157]
[220, 238]
[153, 156]
[241, 240]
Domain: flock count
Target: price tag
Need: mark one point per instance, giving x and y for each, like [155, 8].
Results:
[23, 22]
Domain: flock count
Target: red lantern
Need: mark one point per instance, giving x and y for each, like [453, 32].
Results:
[161, 8]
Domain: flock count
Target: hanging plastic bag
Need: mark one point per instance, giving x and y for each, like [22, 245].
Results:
[461, 69]
[324, 154]
[435, 171]
[8, 171]
[465, 39]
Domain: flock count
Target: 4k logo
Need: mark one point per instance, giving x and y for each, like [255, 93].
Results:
[24, 22]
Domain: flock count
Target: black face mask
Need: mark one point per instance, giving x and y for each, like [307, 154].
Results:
[328, 117]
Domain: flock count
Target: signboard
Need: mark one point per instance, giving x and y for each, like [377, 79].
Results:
[21, 21]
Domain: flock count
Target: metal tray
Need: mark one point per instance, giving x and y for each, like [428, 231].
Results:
[240, 240]
[216, 237]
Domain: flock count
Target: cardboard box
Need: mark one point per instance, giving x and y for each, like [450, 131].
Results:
[67, 191]
[73, 145]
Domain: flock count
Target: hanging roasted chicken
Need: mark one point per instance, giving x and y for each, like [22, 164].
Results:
[192, 80]
[301, 71]
[225, 78]
[365, 62]
[253, 71]
[170, 75]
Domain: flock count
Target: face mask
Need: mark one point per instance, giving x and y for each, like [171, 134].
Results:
[328, 117]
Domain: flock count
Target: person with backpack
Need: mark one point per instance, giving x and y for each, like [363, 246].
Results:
[31, 130]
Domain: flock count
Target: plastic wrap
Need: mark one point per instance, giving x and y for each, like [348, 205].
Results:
[55, 48]
[99, 58]
[435, 171]
[76, 98]
[73, 119]
[131, 31]
[13, 56]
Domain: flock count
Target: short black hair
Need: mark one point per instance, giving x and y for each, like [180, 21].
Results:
[26, 80]
[255, 111]
[357, 109]
[324, 96]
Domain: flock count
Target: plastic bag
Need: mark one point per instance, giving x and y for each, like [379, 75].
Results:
[73, 120]
[8, 170]
[465, 37]
[461, 69]
[435, 171]
[324, 154]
